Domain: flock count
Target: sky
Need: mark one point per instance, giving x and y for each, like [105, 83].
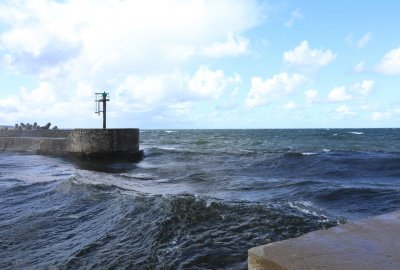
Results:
[172, 64]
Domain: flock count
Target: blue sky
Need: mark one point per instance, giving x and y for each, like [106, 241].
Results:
[201, 64]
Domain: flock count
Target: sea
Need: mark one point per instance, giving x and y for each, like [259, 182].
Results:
[198, 200]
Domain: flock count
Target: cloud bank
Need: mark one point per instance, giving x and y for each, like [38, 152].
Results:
[143, 52]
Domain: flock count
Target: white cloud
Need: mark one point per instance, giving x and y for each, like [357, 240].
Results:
[231, 47]
[380, 116]
[155, 94]
[344, 110]
[367, 106]
[45, 103]
[311, 95]
[179, 109]
[134, 49]
[44, 94]
[7, 62]
[152, 92]
[339, 94]
[360, 67]
[364, 88]
[207, 84]
[359, 43]
[179, 52]
[10, 110]
[142, 93]
[364, 40]
[390, 63]
[294, 16]
[48, 33]
[263, 91]
[303, 56]
[291, 105]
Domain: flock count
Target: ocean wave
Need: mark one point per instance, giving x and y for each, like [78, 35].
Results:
[299, 154]
[139, 176]
[23, 195]
[293, 154]
[358, 202]
[98, 187]
[201, 142]
[6, 182]
[160, 150]
[168, 148]
[308, 208]
[181, 231]
[246, 151]
[356, 132]
[346, 193]
[144, 164]
[186, 208]
[190, 227]
[309, 153]
[143, 184]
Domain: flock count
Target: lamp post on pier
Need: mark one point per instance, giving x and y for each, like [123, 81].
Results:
[102, 98]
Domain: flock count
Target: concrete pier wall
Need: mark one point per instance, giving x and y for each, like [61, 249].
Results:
[34, 141]
[91, 143]
[41, 133]
[369, 244]
[55, 146]
[103, 142]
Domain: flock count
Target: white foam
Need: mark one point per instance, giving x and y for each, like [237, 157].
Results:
[146, 165]
[140, 176]
[306, 207]
[356, 132]
[245, 151]
[167, 148]
[309, 153]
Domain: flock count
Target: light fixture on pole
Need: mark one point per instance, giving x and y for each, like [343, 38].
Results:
[102, 98]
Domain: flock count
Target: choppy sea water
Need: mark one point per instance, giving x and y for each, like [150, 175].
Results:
[199, 199]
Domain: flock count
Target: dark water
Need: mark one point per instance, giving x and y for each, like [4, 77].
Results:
[198, 200]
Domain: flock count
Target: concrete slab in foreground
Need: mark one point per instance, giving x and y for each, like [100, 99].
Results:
[372, 243]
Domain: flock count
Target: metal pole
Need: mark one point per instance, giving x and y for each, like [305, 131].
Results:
[104, 112]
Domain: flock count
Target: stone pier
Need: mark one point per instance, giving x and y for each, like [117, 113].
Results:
[86, 143]
[369, 244]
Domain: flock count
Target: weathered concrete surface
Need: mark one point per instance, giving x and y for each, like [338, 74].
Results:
[40, 145]
[61, 133]
[372, 243]
[99, 143]
[34, 141]
[90, 143]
